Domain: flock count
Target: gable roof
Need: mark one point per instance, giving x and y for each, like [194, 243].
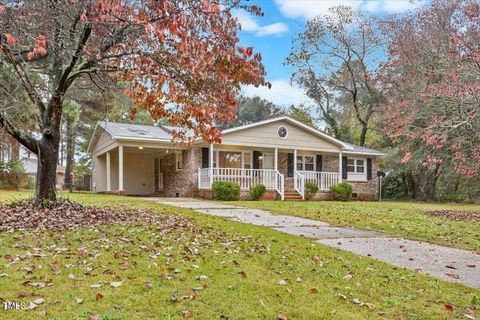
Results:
[291, 121]
[127, 131]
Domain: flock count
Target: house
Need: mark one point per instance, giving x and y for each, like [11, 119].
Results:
[281, 153]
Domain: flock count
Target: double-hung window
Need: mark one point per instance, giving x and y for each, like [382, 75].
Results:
[356, 169]
[305, 163]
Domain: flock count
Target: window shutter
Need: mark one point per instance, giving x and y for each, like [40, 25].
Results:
[205, 156]
[344, 168]
[256, 159]
[369, 169]
[290, 165]
[319, 163]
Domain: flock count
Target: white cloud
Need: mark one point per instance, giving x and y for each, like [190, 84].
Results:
[282, 93]
[309, 9]
[249, 24]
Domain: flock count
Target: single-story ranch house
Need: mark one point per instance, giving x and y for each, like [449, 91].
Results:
[281, 153]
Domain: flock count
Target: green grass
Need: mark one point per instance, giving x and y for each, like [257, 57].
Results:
[403, 219]
[225, 249]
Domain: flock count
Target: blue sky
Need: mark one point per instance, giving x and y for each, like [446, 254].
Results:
[272, 35]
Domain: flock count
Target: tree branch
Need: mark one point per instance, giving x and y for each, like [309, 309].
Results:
[27, 141]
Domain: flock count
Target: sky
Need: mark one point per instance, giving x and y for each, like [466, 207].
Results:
[272, 35]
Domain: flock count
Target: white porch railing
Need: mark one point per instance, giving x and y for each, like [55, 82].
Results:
[323, 179]
[271, 179]
[299, 183]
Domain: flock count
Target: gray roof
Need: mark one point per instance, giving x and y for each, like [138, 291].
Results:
[357, 149]
[146, 132]
[135, 131]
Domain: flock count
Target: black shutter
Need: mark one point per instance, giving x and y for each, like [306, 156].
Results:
[369, 169]
[319, 163]
[205, 156]
[290, 165]
[256, 159]
[344, 168]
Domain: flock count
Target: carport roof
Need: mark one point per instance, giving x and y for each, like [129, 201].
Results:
[134, 131]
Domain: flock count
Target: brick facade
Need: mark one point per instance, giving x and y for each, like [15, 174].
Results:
[181, 183]
[184, 182]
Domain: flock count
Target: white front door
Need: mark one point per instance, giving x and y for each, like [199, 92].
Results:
[268, 161]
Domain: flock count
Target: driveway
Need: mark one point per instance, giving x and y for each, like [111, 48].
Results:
[450, 264]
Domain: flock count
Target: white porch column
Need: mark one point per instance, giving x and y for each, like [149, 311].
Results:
[109, 183]
[276, 159]
[210, 164]
[120, 168]
[294, 160]
[340, 165]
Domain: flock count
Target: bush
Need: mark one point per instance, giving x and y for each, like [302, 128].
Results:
[310, 190]
[341, 191]
[257, 191]
[226, 191]
[12, 175]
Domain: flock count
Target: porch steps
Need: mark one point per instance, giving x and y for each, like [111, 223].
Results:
[292, 195]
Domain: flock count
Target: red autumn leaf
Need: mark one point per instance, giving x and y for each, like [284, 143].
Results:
[448, 307]
[2, 9]
[10, 39]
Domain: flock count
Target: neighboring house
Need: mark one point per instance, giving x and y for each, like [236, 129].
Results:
[30, 165]
[281, 153]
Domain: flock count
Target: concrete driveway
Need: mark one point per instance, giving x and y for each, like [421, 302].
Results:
[450, 264]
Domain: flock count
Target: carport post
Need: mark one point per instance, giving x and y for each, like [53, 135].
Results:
[210, 165]
[109, 184]
[120, 168]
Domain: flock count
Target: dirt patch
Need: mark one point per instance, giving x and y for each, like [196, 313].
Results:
[455, 215]
[65, 214]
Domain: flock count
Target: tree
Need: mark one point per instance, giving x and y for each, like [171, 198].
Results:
[71, 117]
[334, 57]
[253, 109]
[431, 81]
[303, 114]
[180, 59]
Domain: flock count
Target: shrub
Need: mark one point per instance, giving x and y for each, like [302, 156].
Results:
[12, 175]
[341, 191]
[257, 191]
[310, 190]
[226, 191]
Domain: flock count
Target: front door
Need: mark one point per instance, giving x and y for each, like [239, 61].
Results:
[269, 164]
[268, 161]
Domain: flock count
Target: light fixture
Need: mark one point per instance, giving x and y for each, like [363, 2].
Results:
[141, 148]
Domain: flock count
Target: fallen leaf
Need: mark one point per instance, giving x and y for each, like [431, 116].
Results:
[282, 282]
[96, 285]
[149, 285]
[94, 317]
[243, 275]
[282, 317]
[116, 284]
[99, 296]
[356, 301]
[313, 290]
[471, 266]
[79, 300]
[448, 307]
[186, 314]
[38, 301]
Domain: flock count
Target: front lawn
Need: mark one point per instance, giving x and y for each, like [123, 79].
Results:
[402, 219]
[217, 270]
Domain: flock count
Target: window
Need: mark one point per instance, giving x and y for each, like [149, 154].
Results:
[351, 165]
[306, 163]
[360, 166]
[247, 160]
[309, 163]
[282, 132]
[356, 170]
[179, 160]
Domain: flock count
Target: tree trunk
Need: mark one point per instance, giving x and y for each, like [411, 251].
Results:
[47, 168]
[363, 135]
[70, 152]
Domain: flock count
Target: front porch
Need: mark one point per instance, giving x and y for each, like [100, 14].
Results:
[281, 170]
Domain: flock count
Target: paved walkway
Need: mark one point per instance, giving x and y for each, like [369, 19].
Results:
[446, 263]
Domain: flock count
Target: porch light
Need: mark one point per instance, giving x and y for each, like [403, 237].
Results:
[141, 148]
